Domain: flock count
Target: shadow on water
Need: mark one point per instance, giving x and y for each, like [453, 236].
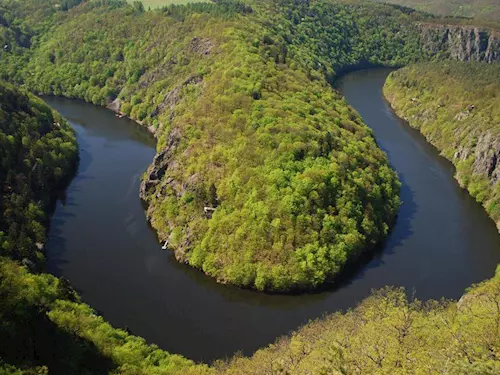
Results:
[399, 233]
[442, 240]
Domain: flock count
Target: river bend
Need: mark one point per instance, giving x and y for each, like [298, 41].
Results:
[100, 240]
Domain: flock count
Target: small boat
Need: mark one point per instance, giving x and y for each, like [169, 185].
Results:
[164, 247]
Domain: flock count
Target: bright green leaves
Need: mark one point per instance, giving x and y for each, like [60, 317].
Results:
[297, 182]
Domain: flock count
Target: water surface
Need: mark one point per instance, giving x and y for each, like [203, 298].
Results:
[99, 239]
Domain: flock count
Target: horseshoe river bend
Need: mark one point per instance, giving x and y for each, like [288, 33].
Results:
[100, 240]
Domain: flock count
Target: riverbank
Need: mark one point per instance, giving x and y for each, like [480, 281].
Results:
[455, 106]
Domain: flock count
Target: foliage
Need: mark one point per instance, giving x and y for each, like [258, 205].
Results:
[238, 95]
[249, 123]
[44, 326]
[37, 154]
[388, 334]
[455, 106]
[487, 9]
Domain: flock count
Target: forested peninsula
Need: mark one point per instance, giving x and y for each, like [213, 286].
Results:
[264, 177]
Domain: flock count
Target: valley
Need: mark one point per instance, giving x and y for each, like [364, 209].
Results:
[282, 185]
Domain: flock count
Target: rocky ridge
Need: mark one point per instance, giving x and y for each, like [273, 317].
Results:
[462, 43]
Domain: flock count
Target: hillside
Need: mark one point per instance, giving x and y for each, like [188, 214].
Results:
[264, 178]
[455, 106]
[37, 155]
[483, 9]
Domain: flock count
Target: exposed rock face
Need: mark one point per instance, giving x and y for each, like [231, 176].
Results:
[462, 153]
[161, 163]
[463, 43]
[203, 46]
[114, 105]
[173, 97]
[156, 183]
[487, 157]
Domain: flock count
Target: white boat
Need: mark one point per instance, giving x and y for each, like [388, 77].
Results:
[165, 246]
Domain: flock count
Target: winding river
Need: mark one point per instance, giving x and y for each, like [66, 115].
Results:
[100, 240]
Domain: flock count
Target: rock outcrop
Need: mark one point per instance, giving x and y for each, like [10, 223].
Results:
[173, 97]
[161, 163]
[202, 46]
[463, 43]
[487, 157]
[156, 185]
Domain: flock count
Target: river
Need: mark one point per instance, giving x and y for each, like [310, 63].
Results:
[100, 240]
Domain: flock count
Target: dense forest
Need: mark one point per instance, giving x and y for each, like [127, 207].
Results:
[247, 126]
[455, 106]
[256, 151]
[37, 154]
[264, 178]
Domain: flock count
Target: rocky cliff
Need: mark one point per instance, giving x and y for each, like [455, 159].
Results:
[462, 43]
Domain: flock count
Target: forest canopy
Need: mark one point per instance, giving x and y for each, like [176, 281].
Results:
[37, 155]
[264, 178]
[247, 123]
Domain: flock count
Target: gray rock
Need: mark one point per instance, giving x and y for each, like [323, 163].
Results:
[487, 156]
[463, 43]
[161, 163]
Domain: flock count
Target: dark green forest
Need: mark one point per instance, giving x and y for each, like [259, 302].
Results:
[239, 96]
[37, 155]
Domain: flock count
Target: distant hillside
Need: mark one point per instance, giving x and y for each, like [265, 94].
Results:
[487, 9]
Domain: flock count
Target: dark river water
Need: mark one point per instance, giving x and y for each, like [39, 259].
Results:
[99, 239]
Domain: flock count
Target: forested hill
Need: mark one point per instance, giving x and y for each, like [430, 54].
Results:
[256, 151]
[483, 9]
